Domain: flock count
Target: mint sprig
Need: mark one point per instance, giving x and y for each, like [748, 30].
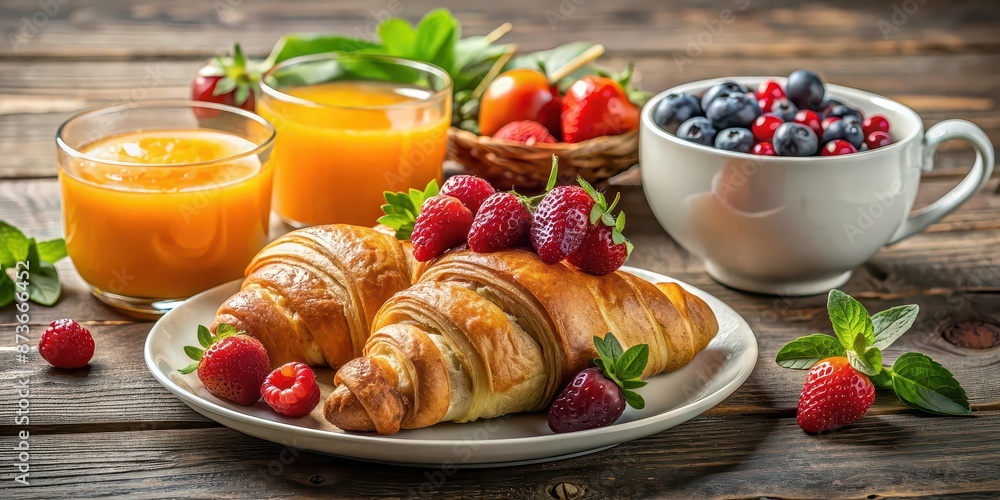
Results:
[206, 340]
[623, 368]
[42, 284]
[401, 209]
[917, 380]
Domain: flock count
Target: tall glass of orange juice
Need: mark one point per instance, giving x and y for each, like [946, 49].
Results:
[351, 126]
[163, 199]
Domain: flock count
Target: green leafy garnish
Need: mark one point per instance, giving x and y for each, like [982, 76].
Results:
[401, 209]
[917, 380]
[42, 284]
[601, 212]
[623, 368]
[206, 340]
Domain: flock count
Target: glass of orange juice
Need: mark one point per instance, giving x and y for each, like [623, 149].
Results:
[351, 126]
[163, 199]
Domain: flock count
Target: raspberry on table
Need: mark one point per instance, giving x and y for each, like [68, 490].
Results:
[66, 344]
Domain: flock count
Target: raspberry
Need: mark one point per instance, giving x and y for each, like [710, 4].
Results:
[472, 191]
[561, 222]
[503, 221]
[66, 344]
[443, 223]
[291, 390]
[527, 131]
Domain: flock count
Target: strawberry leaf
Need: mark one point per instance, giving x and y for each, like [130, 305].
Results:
[892, 323]
[617, 237]
[595, 213]
[864, 359]
[188, 369]
[850, 320]
[804, 352]
[620, 222]
[204, 336]
[193, 352]
[225, 85]
[553, 174]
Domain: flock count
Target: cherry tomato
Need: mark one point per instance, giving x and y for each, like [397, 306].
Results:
[516, 95]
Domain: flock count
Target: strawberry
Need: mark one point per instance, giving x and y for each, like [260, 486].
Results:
[472, 191]
[231, 81]
[401, 209]
[66, 344]
[560, 222]
[596, 396]
[230, 364]
[291, 390]
[503, 221]
[443, 222]
[595, 106]
[529, 132]
[599, 254]
[834, 395]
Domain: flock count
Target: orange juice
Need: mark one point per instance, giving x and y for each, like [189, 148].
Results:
[341, 144]
[184, 224]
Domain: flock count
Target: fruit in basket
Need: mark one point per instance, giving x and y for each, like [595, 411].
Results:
[291, 390]
[805, 89]
[675, 109]
[528, 132]
[596, 106]
[560, 222]
[443, 222]
[503, 221]
[698, 129]
[66, 344]
[733, 110]
[735, 139]
[224, 81]
[834, 395]
[519, 94]
[729, 87]
[795, 139]
[230, 364]
[472, 191]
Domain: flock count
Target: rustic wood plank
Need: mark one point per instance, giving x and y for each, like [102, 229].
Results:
[727, 456]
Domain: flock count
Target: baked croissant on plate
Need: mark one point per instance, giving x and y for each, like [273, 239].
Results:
[312, 294]
[484, 335]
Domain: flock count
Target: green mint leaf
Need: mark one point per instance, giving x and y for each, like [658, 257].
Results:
[614, 347]
[43, 283]
[7, 287]
[804, 352]
[632, 362]
[861, 360]
[890, 324]
[553, 174]
[927, 386]
[193, 352]
[602, 348]
[882, 379]
[633, 384]
[634, 399]
[204, 336]
[850, 319]
[436, 37]
[188, 369]
[301, 44]
[13, 245]
[398, 37]
[52, 251]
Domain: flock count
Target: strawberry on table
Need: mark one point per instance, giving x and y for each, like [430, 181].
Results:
[596, 396]
[503, 221]
[291, 390]
[834, 395]
[595, 106]
[66, 344]
[443, 222]
[472, 191]
[230, 364]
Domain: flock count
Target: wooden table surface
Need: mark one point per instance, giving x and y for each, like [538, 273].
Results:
[111, 429]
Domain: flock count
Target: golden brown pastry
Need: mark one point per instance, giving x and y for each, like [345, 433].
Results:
[483, 335]
[311, 295]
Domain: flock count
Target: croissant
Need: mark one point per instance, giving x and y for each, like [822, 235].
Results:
[483, 335]
[312, 294]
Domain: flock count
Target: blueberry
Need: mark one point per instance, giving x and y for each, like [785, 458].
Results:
[676, 108]
[794, 139]
[827, 104]
[784, 109]
[698, 129]
[841, 111]
[715, 91]
[852, 118]
[733, 110]
[805, 89]
[735, 139]
[846, 129]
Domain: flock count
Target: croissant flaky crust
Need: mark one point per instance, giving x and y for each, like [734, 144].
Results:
[483, 335]
[312, 294]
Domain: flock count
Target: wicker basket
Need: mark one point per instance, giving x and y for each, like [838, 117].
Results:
[508, 164]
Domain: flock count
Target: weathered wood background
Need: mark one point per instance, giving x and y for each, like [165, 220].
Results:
[112, 429]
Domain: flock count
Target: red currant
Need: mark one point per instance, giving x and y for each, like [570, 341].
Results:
[764, 149]
[810, 119]
[838, 147]
[764, 126]
[770, 88]
[878, 139]
[875, 123]
[765, 104]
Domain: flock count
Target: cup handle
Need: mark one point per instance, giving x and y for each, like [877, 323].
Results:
[973, 181]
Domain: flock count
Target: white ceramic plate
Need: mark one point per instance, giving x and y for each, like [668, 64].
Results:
[671, 399]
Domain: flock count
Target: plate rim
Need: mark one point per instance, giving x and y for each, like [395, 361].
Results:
[694, 408]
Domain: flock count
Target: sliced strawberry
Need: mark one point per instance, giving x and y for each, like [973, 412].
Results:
[834, 395]
[443, 222]
[472, 191]
[503, 221]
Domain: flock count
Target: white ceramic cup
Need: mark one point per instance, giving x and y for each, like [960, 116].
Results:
[798, 226]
